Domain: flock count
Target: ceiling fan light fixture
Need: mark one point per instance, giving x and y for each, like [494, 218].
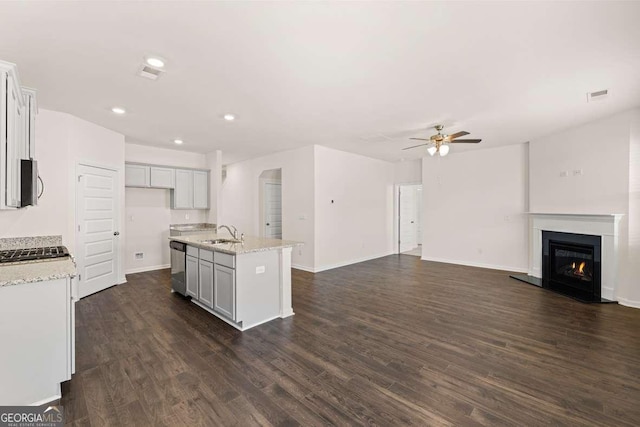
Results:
[432, 150]
[444, 150]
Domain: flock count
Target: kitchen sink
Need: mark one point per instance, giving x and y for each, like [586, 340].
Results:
[219, 241]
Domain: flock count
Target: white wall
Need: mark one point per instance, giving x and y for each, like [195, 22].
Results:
[63, 141]
[354, 208]
[240, 198]
[601, 150]
[148, 212]
[628, 288]
[474, 208]
[408, 171]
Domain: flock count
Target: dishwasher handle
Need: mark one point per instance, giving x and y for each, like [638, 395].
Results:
[178, 246]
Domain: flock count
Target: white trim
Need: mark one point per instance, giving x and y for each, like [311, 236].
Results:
[148, 268]
[302, 267]
[628, 302]
[477, 264]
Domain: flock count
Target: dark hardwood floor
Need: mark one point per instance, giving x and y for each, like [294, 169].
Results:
[391, 341]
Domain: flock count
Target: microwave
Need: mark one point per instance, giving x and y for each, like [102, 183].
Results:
[28, 183]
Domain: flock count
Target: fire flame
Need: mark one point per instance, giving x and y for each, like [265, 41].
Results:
[581, 268]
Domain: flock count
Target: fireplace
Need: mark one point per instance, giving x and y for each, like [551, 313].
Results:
[571, 264]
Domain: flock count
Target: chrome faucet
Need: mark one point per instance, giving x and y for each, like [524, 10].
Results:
[234, 232]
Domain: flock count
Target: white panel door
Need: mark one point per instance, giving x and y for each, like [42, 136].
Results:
[97, 228]
[273, 210]
[407, 218]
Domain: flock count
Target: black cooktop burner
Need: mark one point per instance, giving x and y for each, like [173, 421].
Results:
[31, 254]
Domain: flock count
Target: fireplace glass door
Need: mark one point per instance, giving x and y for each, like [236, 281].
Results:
[572, 265]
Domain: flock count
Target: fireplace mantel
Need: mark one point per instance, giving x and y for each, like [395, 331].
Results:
[603, 225]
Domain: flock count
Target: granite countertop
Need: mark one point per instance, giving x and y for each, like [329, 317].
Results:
[36, 271]
[250, 244]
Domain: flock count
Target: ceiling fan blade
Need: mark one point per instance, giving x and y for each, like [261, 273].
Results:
[415, 146]
[466, 141]
[420, 139]
[457, 135]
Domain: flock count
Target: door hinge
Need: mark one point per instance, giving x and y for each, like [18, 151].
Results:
[78, 228]
[79, 277]
[79, 176]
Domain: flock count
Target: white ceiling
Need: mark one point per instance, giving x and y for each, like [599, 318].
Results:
[356, 76]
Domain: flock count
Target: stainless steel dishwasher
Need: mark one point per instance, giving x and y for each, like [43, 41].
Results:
[178, 279]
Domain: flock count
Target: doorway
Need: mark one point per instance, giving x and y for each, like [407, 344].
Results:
[97, 228]
[410, 219]
[271, 203]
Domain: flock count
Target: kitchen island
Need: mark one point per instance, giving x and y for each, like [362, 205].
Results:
[244, 283]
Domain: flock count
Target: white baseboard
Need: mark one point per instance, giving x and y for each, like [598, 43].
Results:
[628, 302]
[478, 264]
[302, 267]
[148, 268]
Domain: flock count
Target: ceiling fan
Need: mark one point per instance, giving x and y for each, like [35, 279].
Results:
[439, 143]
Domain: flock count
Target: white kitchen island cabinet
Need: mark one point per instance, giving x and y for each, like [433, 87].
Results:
[244, 284]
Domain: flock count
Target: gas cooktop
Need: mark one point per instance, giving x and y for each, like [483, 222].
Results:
[32, 254]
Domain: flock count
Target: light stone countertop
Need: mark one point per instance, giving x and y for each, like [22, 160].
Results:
[250, 244]
[36, 271]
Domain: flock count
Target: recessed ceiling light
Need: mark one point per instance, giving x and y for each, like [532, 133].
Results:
[118, 110]
[229, 117]
[178, 141]
[154, 61]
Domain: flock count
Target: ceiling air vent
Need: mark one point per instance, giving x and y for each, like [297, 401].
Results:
[149, 72]
[598, 96]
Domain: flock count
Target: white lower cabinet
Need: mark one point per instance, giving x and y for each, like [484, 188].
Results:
[37, 327]
[224, 285]
[211, 283]
[191, 268]
[206, 282]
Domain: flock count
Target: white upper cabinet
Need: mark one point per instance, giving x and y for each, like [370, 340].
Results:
[31, 108]
[190, 187]
[136, 175]
[162, 177]
[17, 133]
[183, 193]
[200, 190]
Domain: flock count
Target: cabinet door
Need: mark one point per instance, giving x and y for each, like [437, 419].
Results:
[15, 143]
[183, 192]
[136, 176]
[206, 283]
[30, 124]
[192, 276]
[224, 296]
[200, 190]
[162, 177]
